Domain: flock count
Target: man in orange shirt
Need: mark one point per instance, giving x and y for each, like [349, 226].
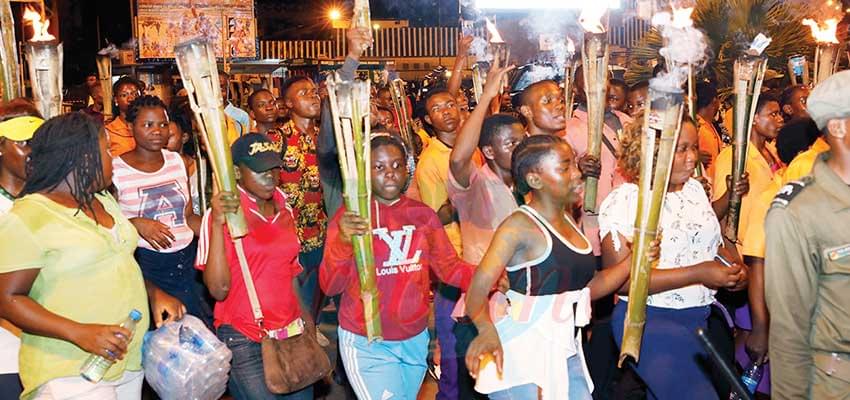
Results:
[121, 139]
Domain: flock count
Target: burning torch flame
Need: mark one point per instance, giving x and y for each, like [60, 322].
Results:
[591, 18]
[39, 27]
[823, 33]
[495, 37]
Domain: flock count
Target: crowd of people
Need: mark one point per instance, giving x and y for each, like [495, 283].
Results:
[477, 223]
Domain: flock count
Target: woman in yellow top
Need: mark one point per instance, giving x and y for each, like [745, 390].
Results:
[69, 276]
[762, 163]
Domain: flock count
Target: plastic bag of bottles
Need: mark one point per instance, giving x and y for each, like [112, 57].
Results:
[184, 360]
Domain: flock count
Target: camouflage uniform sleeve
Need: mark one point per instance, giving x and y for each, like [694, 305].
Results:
[790, 291]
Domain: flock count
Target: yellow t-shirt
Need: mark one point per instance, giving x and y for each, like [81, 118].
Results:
[761, 177]
[86, 274]
[801, 165]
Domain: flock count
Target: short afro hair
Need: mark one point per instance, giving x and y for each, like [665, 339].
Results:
[493, 125]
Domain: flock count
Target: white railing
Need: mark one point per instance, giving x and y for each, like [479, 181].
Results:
[409, 42]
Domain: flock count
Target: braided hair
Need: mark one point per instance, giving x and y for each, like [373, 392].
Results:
[66, 149]
[527, 155]
[146, 101]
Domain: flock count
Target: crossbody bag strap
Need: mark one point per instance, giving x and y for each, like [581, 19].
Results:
[249, 283]
[609, 145]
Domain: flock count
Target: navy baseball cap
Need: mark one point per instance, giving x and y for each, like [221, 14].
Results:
[257, 152]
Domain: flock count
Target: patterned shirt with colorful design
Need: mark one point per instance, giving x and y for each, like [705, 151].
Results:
[299, 179]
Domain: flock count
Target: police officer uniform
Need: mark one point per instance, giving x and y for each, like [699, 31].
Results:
[807, 271]
[807, 287]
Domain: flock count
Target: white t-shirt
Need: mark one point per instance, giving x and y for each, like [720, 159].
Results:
[691, 235]
[9, 343]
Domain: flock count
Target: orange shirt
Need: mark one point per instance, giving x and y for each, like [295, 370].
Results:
[120, 137]
[709, 141]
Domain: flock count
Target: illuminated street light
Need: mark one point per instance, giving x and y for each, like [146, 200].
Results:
[334, 14]
[376, 26]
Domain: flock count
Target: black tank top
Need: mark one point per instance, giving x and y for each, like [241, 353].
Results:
[562, 269]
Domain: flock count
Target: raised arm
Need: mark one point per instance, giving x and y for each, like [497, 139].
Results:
[463, 43]
[357, 38]
[460, 161]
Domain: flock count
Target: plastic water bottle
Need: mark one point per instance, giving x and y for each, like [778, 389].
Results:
[750, 378]
[95, 367]
[191, 339]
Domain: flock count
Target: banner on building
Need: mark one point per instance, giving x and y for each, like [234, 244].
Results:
[161, 24]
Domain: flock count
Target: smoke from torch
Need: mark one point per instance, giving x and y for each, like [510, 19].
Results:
[684, 45]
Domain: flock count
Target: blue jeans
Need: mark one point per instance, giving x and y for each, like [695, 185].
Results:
[308, 281]
[247, 380]
[175, 273]
[10, 387]
[578, 385]
[444, 303]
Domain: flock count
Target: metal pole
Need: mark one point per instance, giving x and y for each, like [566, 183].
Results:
[715, 356]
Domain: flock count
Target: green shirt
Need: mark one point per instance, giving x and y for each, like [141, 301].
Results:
[87, 274]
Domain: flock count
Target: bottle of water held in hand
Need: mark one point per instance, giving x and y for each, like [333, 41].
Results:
[750, 378]
[96, 366]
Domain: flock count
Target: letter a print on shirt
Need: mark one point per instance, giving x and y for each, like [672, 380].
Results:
[164, 203]
[399, 244]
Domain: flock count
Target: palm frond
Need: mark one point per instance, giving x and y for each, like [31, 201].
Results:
[730, 26]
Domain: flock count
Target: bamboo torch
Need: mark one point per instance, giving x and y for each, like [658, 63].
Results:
[10, 78]
[684, 50]
[350, 110]
[594, 56]
[798, 70]
[362, 18]
[826, 53]
[661, 128]
[197, 65]
[500, 49]
[569, 78]
[44, 57]
[749, 74]
[104, 75]
[477, 82]
[399, 97]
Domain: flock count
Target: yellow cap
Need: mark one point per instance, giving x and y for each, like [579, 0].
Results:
[20, 128]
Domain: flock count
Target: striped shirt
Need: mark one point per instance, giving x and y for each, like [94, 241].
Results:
[161, 196]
